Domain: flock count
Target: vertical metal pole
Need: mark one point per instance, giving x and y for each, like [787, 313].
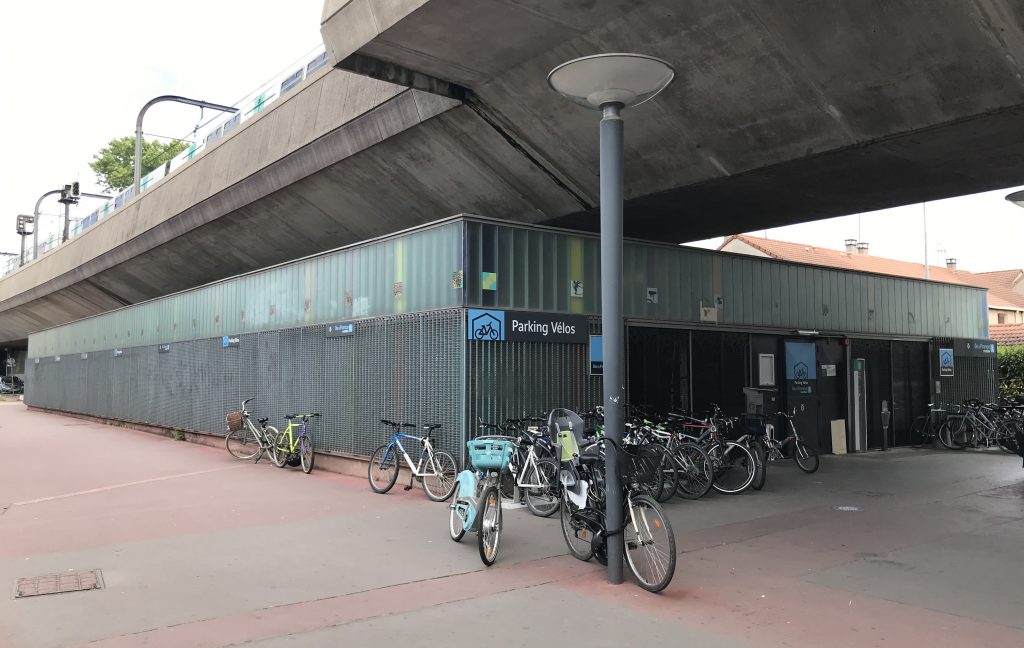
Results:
[611, 323]
[22, 262]
[67, 222]
[137, 162]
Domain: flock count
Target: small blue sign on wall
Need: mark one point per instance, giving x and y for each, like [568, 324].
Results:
[487, 325]
[945, 363]
[596, 356]
[229, 341]
[801, 367]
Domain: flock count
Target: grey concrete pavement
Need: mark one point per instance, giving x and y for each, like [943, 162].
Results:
[198, 549]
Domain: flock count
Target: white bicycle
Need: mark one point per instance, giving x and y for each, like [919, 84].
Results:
[436, 470]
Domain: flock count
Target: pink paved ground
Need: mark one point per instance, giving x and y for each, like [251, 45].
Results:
[198, 549]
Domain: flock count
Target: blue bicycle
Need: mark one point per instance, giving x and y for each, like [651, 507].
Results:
[436, 470]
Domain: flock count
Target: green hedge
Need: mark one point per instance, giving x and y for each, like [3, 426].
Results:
[1011, 371]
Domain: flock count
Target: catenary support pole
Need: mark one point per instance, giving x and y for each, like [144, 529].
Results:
[611, 324]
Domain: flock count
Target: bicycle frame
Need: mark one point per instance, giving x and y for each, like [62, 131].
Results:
[293, 440]
[427, 454]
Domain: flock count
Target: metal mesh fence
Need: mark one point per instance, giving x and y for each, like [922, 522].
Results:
[513, 379]
[404, 368]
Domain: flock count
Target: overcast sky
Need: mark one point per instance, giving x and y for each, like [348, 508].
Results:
[982, 231]
[75, 75]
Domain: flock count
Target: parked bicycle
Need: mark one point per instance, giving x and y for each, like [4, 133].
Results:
[768, 449]
[646, 535]
[531, 468]
[925, 429]
[291, 449]
[477, 506]
[436, 470]
[978, 423]
[248, 440]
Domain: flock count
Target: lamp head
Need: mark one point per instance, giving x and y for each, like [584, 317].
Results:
[626, 79]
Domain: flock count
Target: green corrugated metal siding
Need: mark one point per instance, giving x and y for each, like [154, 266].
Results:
[356, 282]
[535, 267]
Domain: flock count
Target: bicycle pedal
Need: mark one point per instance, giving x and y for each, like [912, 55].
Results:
[408, 488]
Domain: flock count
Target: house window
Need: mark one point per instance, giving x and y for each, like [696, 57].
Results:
[1001, 318]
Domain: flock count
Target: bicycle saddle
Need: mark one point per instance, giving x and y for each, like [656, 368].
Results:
[431, 428]
[262, 421]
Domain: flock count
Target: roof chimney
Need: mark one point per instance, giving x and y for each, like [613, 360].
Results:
[851, 245]
[862, 247]
[951, 263]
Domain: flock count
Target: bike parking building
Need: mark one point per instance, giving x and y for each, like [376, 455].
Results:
[469, 318]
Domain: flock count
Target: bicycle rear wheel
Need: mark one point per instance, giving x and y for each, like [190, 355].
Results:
[306, 454]
[543, 501]
[490, 525]
[382, 471]
[919, 432]
[761, 457]
[650, 544]
[439, 484]
[243, 444]
[669, 473]
[578, 536]
[456, 526]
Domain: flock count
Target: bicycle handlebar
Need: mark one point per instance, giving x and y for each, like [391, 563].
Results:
[397, 425]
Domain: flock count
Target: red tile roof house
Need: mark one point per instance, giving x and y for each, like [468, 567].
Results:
[1005, 287]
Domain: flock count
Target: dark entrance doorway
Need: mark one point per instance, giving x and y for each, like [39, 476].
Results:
[909, 388]
[659, 368]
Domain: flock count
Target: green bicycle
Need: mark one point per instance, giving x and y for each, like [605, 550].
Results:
[295, 449]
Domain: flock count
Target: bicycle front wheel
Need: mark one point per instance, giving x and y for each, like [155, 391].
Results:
[281, 450]
[439, 484]
[243, 444]
[695, 472]
[306, 454]
[801, 455]
[734, 468]
[490, 525]
[382, 472]
[650, 544]
[542, 500]
[953, 434]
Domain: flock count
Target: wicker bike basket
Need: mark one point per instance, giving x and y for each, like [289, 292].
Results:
[234, 420]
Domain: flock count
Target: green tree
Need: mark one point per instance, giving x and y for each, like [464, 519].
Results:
[1011, 371]
[114, 164]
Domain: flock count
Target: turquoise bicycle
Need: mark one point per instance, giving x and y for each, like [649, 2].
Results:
[477, 503]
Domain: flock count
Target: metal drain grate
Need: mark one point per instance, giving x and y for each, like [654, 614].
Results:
[62, 583]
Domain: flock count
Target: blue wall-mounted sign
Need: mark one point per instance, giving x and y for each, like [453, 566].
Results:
[596, 356]
[487, 325]
[229, 341]
[801, 367]
[341, 329]
[946, 358]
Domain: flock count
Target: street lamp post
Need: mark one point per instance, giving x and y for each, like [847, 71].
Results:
[142, 113]
[611, 83]
[35, 214]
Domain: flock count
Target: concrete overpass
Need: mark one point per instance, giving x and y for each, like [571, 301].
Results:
[782, 112]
